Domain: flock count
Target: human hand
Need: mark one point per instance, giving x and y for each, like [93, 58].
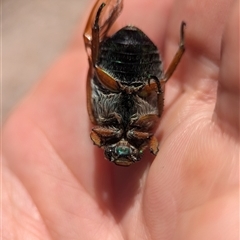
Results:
[57, 185]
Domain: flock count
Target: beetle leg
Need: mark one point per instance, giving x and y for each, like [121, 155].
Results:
[112, 119]
[87, 35]
[101, 18]
[138, 134]
[154, 86]
[99, 133]
[110, 12]
[148, 89]
[95, 35]
[145, 121]
[96, 139]
[153, 142]
[177, 56]
[89, 97]
[107, 80]
[153, 145]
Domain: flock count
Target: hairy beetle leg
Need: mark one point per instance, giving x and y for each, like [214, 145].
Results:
[146, 121]
[154, 86]
[138, 135]
[99, 133]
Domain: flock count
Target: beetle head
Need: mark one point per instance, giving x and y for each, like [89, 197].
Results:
[122, 153]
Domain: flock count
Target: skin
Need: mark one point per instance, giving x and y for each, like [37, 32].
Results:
[57, 185]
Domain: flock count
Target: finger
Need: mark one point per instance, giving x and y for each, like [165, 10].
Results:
[56, 108]
[227, 106]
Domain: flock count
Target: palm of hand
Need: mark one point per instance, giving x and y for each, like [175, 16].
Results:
[61, 188]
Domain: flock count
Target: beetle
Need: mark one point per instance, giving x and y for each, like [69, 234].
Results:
[125, 85]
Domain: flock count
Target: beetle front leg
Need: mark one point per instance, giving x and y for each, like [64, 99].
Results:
[100, 134]
[153, 145]
[152, 140]
[177, 56]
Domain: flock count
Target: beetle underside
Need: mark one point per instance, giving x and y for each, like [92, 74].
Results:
[125, 85]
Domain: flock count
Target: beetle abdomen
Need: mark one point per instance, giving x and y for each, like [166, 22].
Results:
[130, 56]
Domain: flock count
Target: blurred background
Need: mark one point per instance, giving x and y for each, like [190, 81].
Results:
[34, 33]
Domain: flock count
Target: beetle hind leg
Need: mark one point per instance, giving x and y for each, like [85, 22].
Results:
[101, 18]
[177, 57]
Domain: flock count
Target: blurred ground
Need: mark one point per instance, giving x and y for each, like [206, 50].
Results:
[34, 33]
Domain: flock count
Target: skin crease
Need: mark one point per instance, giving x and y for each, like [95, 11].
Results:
[57, 185]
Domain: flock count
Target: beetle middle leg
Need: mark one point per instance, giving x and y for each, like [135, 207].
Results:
[177, 56]
[158, 88]
[100, 134]
[146, 121]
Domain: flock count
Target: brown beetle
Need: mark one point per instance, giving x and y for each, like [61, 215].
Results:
[125, 85]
